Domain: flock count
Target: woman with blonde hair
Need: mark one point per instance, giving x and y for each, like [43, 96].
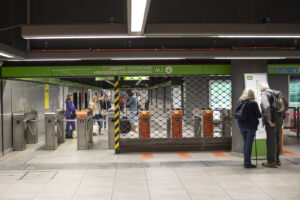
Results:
[248, 122]
[96, 112]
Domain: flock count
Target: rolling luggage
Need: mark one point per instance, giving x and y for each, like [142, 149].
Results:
[125, 126]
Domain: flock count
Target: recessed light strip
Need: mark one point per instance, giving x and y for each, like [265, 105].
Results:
[81, 37]
[149, 58]
[138, 8]
[250, 58]
[6, 55]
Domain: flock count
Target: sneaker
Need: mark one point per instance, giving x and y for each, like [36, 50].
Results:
[270, 164]
[278, 162]
[250, 166]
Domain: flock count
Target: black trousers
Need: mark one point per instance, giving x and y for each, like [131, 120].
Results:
[274, 139]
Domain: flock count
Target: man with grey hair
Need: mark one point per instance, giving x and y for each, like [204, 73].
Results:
[272, 120]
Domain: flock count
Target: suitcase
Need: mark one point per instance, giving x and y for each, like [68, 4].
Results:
[144, 121]
[208, 123]
[176, 124]
[125, 126]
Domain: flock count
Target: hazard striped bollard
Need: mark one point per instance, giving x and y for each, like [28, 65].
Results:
[117, 117]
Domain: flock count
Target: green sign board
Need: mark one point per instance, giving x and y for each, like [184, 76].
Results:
[284, 69]
[120, 70]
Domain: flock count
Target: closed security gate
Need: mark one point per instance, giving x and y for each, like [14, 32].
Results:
[175, 113]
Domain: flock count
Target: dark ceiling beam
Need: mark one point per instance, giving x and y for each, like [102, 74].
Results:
[159, 30]
[73, 30]
[191, 55]
[213, 30]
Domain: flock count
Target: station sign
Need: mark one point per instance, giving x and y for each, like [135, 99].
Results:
[284, 69]
[113, 70]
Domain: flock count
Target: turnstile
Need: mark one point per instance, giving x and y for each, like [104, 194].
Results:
[111, 130]
[54, 129]
[25, 129]
[84, 129]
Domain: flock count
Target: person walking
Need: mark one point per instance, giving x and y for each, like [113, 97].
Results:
[249, 123]
[132, 103]
[105, 106]
[272, 121]
[96, 112]
[70, 115]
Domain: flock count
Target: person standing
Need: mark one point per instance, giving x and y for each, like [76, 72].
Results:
[272, 121]
[105, 106]
[248, 125]
[70, 115]
[96, 112]
[133, 107]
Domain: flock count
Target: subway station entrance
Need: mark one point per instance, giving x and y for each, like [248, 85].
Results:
[179, 107]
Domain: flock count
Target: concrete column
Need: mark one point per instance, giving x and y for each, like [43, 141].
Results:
[238, 69]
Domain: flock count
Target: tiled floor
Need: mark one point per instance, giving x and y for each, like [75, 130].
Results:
[100, 174]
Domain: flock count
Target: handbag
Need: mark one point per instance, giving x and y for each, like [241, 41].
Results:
[73, 114]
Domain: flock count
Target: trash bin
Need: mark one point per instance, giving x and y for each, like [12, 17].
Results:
[84, 129]
[54, 129]
[25, 129]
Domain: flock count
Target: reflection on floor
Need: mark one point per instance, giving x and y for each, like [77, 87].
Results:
[98, 173]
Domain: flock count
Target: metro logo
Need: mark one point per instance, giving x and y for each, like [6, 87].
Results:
[159, 70]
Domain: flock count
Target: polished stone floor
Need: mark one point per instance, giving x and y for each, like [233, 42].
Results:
[98, 173]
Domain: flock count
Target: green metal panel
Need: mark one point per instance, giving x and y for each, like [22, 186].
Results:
[21, 72]
[55, 81]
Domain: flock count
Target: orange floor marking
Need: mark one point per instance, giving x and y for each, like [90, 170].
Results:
[286, 152]
[183, 155]
[147, 155]
[219, 154]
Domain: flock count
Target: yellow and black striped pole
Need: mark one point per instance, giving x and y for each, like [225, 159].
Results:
[117, 117]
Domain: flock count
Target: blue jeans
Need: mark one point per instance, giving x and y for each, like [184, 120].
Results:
[103, 122]
[248, 136]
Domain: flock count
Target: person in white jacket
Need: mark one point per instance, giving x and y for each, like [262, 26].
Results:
[95, 106]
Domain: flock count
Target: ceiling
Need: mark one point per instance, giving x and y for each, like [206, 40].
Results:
[15, 13]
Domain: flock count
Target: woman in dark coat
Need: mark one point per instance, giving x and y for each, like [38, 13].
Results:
[248, 126]
[69, 109]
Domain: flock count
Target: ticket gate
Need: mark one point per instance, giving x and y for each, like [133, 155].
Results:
[111, 130]
[203, 123]
[25, 129]
[226, 118]
[84, 129]
[54, 129]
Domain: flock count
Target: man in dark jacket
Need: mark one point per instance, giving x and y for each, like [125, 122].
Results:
[272, 121]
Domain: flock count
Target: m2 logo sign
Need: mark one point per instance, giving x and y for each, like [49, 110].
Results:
[164, 70]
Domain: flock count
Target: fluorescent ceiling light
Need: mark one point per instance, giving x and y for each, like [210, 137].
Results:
[48, 59]
[149, 58]
[81, 37]
[258, 36]
[135, 78]
[105, 78]
[249, 58]
[6, 55]
[138, 8]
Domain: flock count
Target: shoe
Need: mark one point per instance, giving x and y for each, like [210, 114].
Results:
[278, 162]
[270, 164]
[67, 134]
[250, 166]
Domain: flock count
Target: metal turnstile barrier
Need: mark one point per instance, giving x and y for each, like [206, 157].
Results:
[54, 129]
[25, 129]
[111, 130]
[84, 129]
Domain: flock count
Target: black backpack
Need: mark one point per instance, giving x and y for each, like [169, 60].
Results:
[240, 112]
[279, 102]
